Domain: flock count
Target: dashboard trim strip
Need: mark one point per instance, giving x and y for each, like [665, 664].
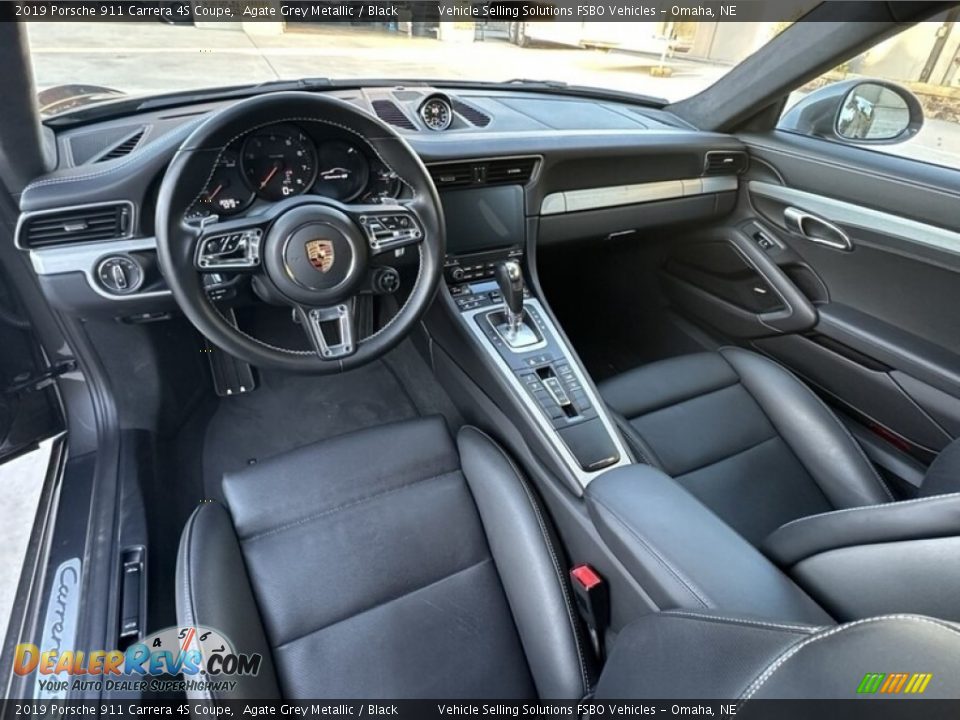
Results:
[84, 258]
[615, 195]
[878, 221]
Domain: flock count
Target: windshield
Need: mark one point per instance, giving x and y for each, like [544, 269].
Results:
[670, 60]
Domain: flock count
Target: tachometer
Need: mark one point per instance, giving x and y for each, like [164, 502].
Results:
[279, 161]
[343, 171]
[226, 193]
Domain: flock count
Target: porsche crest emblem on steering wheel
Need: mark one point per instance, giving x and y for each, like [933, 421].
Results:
[320, 254]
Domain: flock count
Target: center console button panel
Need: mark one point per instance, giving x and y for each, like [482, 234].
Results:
[477, 266]
[549, 383]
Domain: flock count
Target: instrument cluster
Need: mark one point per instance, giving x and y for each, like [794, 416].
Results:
[282, 160]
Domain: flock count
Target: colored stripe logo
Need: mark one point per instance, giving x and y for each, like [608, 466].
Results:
[894, 683]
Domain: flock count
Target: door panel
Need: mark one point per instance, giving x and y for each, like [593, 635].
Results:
[883, 255]
[726, 280]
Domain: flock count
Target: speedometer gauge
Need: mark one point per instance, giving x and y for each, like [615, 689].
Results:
[343, 171]
[226, 193]
[279, 161]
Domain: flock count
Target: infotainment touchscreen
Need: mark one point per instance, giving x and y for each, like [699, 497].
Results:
[483, 218]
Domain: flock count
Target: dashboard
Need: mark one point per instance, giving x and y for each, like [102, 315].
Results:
[511, 167]
[284, 160]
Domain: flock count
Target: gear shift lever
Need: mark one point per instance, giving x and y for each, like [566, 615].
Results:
[510, 279]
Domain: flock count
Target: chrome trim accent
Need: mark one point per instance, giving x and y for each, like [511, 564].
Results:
[556, 442]
[391, 239]
[24, 217]
[878, 221]
[535, 345]
[247, 240]
[639, 193]
[343, 317]
[794, 218]
[85, 257]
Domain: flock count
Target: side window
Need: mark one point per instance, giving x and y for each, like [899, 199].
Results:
[901, 97]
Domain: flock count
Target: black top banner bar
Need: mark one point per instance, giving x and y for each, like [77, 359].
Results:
[876, 709]
[415, 10]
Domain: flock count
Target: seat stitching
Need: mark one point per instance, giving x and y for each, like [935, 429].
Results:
[379, 605]
[744, 621]
[207, 693]
[344, 506]
[563, 587]
[688, 584]
[790, 652]
[553, 556]
[896, 503]
[727, 457]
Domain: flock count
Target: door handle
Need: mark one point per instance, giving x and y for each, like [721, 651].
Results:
[816, 229]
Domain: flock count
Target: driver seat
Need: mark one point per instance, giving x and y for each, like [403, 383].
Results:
[385, 563]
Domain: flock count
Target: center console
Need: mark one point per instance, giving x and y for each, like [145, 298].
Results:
[484, 274]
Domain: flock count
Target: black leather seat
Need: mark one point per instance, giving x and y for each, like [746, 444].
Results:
[745, 436]
[385, 563]
[389, 563]
[679, 654]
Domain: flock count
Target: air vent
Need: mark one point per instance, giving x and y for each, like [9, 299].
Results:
[88, 147]
[390, 112]
[124, 148]
[77, 225]
[514, 170]
[508, 171]
[472, 114]
[724, 162]
[450, 175]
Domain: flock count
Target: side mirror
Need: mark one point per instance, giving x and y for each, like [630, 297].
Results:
[861, 112]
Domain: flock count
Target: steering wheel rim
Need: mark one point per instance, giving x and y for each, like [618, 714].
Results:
[315, 230]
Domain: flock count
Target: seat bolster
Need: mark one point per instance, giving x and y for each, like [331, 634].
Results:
[819, 440]
[943, 476]
[531, 571]
[921, 519]
[213, 590]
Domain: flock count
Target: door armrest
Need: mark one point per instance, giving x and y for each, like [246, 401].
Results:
[923, 519]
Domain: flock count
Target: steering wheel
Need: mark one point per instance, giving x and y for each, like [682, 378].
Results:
[308, 252]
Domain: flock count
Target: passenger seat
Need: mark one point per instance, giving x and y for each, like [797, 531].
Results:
[748, 439]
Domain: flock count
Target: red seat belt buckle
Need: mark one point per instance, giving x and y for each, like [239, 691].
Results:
[591, 593]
